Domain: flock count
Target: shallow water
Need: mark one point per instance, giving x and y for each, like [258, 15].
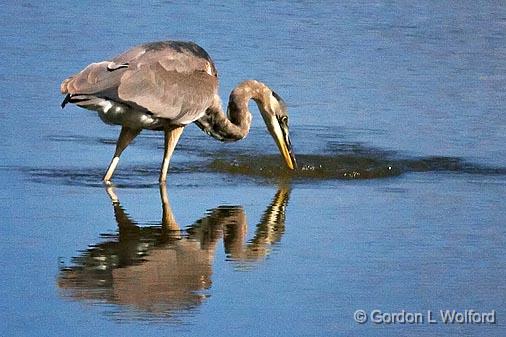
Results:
[397, 122]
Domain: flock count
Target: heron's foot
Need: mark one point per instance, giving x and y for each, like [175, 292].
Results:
[162, 178]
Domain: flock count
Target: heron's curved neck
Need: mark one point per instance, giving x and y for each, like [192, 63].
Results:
[236, 125]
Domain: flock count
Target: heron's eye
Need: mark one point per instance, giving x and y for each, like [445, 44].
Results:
[284, 120]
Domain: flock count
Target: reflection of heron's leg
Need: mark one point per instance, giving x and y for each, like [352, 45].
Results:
[171, 138]
[122, 218]
[168, 220]
[112, 195]
[125, 137]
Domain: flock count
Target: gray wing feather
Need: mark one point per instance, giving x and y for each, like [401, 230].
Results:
[168, 94]
[173, 80]
[96, 78]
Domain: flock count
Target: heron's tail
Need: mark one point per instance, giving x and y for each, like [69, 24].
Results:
[65, 90]
[71, 96]
[65, 101]
[67, 87]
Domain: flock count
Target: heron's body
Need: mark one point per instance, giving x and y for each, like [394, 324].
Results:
[114, 113]
[165, 86]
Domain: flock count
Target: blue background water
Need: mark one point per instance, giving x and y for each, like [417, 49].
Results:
[394, 81]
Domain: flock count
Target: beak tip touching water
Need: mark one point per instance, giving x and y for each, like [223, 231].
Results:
[280, 134]
[287, 153]
[292, 163]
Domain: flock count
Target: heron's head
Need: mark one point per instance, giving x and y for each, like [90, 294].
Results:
[275, 116]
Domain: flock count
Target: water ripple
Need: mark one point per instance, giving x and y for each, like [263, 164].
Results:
[350, 163]
[359, 163]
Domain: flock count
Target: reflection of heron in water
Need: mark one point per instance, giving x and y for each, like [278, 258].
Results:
[163, 269]
[165, 86]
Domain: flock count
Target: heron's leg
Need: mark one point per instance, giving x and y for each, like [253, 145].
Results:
[125, 137]
[171, 137]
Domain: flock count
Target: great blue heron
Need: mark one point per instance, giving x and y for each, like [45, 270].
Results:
[165, 86]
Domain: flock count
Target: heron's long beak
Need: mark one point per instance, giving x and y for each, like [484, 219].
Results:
[280, 134]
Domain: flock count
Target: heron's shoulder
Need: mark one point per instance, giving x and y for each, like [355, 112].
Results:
[184, 55]
[186, 47]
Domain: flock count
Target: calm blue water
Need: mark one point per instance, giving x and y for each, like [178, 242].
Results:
[397, 119]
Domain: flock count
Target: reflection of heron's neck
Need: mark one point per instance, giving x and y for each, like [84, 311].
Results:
[272, 224]
[268, 231]
[236, 126]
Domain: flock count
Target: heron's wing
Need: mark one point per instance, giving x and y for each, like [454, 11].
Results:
[173, 80]
[96, 79]
[171, 94]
